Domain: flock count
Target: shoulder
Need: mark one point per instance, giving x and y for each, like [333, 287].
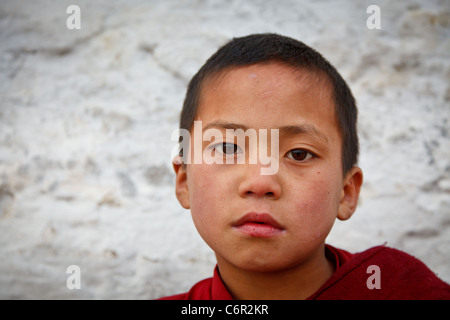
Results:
[399, 264]
[411, 278]
[208, 289]
[200, 291]
[383, 273]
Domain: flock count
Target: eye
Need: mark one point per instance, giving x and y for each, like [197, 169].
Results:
[300, 155]
[227, 148]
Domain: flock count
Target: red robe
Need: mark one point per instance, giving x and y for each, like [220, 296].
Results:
[400, 276]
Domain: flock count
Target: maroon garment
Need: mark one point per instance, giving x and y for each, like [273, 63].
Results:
[401, 277]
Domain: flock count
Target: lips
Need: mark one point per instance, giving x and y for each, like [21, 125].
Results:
[261, 225]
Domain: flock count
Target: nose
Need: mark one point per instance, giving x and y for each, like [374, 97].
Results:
[254, 184]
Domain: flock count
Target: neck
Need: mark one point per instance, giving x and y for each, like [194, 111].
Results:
[296, 283]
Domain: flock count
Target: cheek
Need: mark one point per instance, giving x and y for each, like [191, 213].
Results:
[316, 210]
[207, 192]
[201, 191]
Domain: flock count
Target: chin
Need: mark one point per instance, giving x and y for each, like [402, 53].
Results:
[266, 264]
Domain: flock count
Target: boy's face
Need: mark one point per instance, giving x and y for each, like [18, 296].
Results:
[270, 222]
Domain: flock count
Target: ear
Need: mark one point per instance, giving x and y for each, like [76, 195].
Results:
[181, 186]
[350, 193]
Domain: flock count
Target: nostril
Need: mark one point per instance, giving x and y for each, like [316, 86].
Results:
[269, 194]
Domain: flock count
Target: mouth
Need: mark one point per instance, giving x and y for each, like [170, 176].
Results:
[260, 225]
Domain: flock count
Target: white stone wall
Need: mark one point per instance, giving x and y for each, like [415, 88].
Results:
[86, 118]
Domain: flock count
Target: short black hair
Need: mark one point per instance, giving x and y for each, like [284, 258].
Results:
[267, 47]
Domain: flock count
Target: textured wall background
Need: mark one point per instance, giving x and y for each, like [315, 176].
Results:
[86, 118]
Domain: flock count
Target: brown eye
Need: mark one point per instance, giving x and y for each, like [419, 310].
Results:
[300, 155]
[227, 148]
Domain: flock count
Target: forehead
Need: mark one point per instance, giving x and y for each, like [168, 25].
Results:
[267, 76]
[271, 91]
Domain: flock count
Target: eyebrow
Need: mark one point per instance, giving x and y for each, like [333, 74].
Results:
[225, 125]
[290, 130]
[303, 129]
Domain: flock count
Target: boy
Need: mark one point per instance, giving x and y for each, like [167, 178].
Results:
[268, 231]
